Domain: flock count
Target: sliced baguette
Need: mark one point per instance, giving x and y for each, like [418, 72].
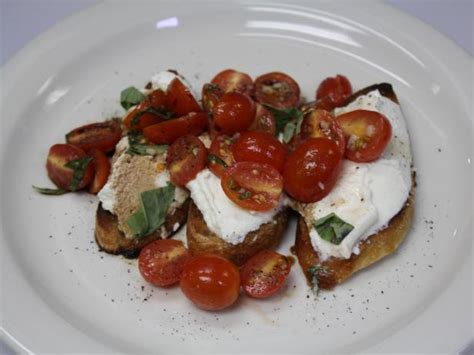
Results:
[111, 240]
[333, 271]
[201, 240]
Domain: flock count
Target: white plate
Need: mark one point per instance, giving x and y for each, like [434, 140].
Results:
[59, 294]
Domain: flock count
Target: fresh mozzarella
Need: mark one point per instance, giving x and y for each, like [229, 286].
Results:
[366, 195]
[222, 216]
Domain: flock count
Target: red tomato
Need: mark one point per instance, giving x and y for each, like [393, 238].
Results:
[264, 274]
[264, 121]
[333, 91]
[231, 80]
[168, 131]
[138, 119]
[260, 147]
[253, 186]
[320, 123]
[367, 134]
[161, 262]
[211, 94]
[278, 90]
[180, 100]
[211, 282]
[220, 155]
[295, 142]
[101, 170]
[103, 136]
[186, 157]
[311, 170]
[157, 99]
[234, 113]
[61, 154]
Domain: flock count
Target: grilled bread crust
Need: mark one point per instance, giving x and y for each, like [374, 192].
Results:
[111, 240]
[201, 240]
[333, 271]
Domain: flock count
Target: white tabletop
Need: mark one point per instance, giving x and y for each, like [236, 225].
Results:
[22, 20]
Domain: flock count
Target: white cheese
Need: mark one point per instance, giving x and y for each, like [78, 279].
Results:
[162, 79]
[222, 216]
[366, 195]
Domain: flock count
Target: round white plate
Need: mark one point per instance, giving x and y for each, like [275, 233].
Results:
[59, 294]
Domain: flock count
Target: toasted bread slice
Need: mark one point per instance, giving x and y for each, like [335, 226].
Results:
[201, 240]
[333, 271]
[111, 240]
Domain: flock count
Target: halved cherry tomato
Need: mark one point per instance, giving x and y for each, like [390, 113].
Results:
[264, 274]
[278, 90]
[253, 186]
[211, 94]
[61, 154]
[161, 262]
[260, 147]
[101, 170]
[235, 112]
[157, 99]
[220, 155]
[180, 100]
[231, 80]
[367, 134]
[320, 123]
[137, 120]
[186, 157]
[311, 170]
[333, 91]
[295, 142]
[168, 131]
[102, 135]
[211, 282]
[264, 121]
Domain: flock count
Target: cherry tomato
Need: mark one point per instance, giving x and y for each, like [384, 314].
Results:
[320, 123]
[103, 136]
[211, 282]
[333, 91]
[311, 170]
[101, 170]
[61, 154]
[157, 99]
[180, 100]
[264, 121]
[367, 134]
[168, 131]
[161, 262]
[220, 155]
[295, 142]
[278, 90]
[138, 119]
[231, 80]
[253, 186]
[264, 274]
[234, 113]
[211, 94]
[260, 147]
[186, 157]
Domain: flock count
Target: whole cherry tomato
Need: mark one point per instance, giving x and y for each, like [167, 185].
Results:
[234, 112]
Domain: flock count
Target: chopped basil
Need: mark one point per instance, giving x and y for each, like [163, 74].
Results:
[284, 116]
[214, 159]
[292, 128]
[162, 113]
[152, 213]
[332, 228]
[137, 147]
[79, 167]
[131, 96]
[314, 271]
[47, 191]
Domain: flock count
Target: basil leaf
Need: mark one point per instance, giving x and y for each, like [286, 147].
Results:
[332, 228]
[154, 205]
[283, 116]
[136, 147]
[79, 167]
[292, 128]
[314, 271]
[162, 113]
[131, 96]
[214, 159]
[47, 191]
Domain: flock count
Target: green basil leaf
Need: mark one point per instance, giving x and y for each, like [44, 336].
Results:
[332, 228]
[137, 147]
[47, 191]
[284, 116]
[314, 271]
[162, 113]
[79, 167]
[131, 96]
[154, 205]
[214, 159]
